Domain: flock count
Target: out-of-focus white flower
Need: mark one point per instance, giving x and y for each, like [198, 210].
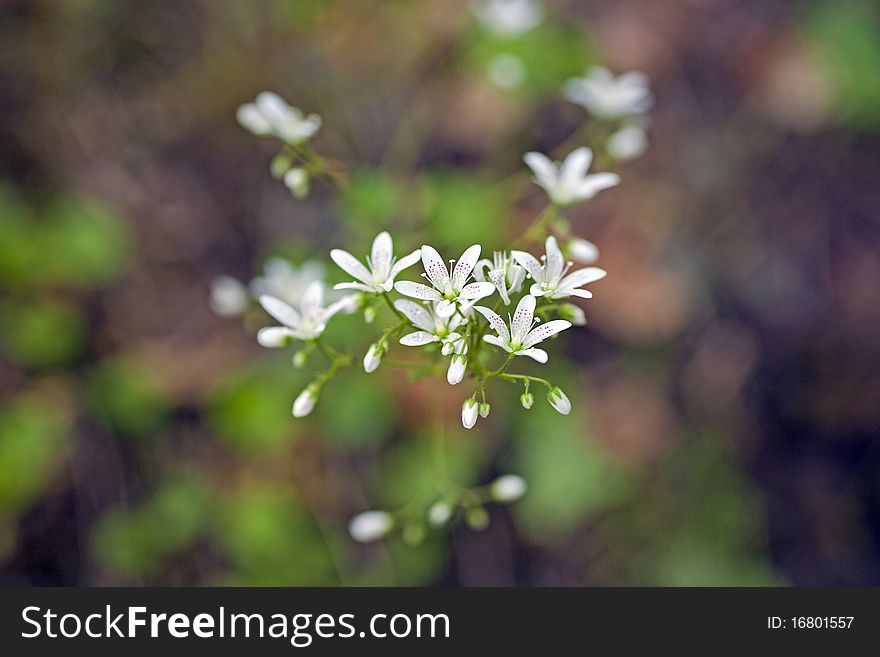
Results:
[469, 412]
[552, 278]
[269, 114]
[506, 71]
[584, 251]
[568, 182]
[449, 292]
[383, 266]
[503, 273]
[559, 400]
[627, 143]
[281, 279]
[508, 488]
[607, 96]
[527, 400]
[370, 526]
[521, 338]
[297, 181]
[510, 18]
[306, 322]
[439, 514]
[305, 401]
[229, 296]
[432, 327]
[457, 368]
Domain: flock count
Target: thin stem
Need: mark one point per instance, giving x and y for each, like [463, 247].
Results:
[526, 378]
[390, 303]
[538, 230]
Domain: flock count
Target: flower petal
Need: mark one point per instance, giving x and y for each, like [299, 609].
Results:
[381, 254]
[497, 277]
[465, 266]
[405, 262]
[475, 291]
[543, 331]
[582, 277]
[416, 313]
[313, 298]
[417, 339]
[538, 354]
[522, 319]
[354, 286]
[575, 167]
[529, 262]
[445, 308]
[594, 184]
[435, 267]
[555, 262]
[274, 336]
[497, 341]
[546, 172]
[417, 291]
[284, 313]
[495, 321]
[351, 265]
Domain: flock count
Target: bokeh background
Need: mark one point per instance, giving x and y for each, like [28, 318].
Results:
[726, 428]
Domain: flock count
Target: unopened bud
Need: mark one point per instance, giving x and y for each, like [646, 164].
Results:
[527, 400]
[297, 181]
[583, 251]
[508, 488]
[305, 402]
[413, 534]
[280, 165]
[439, 514]
[484, 409]
[476, 518]
[373, 357]
[369, 314]
[300, 358]
[469, 411]
[370, 526]
[457, 368]
[574, 314]
[559, 401]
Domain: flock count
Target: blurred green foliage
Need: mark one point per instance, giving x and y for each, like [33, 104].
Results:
[41, 332]
[128, 396]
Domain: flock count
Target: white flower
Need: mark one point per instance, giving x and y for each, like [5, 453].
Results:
[506, 71]
[504, 274]
[383, 266]
[508, 488]
[306, 322]
[510, 18]
[283, 280]
[297, 181]
[457, 368]
[521, 339]
[305, 401]
[270, 115]
[432, 327]
[370, 526]
[469, 412]
[552, 278]
[583, 251]
[627, 143]
[568, 182]
[229, 297]
[449, 292]
[606, 96]
[439, 514]
[559, 400]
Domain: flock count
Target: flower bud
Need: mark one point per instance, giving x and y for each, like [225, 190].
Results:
[627, 143]
[469, 411]
[413, 534]
[559, 401]
[574, 314]
[457, 368]
[484, 409]
[476, 518]
[305, 402]
[583, 251]
[439, 513]
[369, 314]
[370, 526]
[508, 488]
[373, 357]
[229, 297]
[447, 348]
[300, 358]
[280, 165]
[297, 181]
[527, 399]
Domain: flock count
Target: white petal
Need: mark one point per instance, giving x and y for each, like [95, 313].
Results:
[538, 354]
[582, 277]
[575, 167]
[473, 291]
[465, 266]
[417, 291]
[250, 118]
[537, 291]
[435, 268]
[405, 262]
[313, 298]
[594, 184]
[354, 286]
[543, 331]
[274, 336]
[416, 313]
[561, 294]
[444, 308]
[545, 170]
[347, 303]
[381, 254]
[280, 311]
[351, 265]
[497, 341]
[274, 109]
[495, 321]
[555, 262]
[497, 277]
[522, 319]
[529, 262]
[417, 339]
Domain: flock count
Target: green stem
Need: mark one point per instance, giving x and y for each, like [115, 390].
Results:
[390, 303]
[526, 378]
[538, 230]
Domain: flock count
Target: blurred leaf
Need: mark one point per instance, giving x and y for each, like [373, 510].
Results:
[462, 209]
[128, 396]
[41, 333]
[372, 196]
[358, 410]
